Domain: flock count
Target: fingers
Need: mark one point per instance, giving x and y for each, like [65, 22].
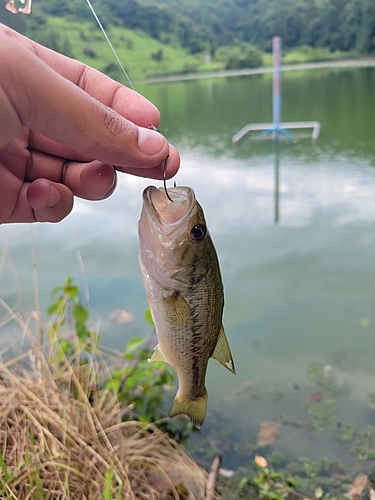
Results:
[46, 200]
[49, 201]
[46, 102]
[123, 100]
[37, 142]
[173, 163]
[93, 180]
[42, 201]
[56, 108]
[74, 127]
[65, 113]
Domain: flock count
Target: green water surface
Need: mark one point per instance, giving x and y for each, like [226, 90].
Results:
[295, 235]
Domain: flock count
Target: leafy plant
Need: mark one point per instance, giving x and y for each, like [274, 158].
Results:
[346, 433]
[137, 382]
[158, 55]
[268, 483]
[110, 477]
[68, 310]
[322, 413]
[364, 446]
[64, 434]
[321, 405]
[141, 383]
[240, 55]
[322, 377]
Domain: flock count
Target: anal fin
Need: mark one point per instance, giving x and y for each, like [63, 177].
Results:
[222, 352]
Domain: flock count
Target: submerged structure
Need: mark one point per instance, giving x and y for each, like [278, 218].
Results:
[277, 127]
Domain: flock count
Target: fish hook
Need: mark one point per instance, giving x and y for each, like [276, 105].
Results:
[165, 178]
[155, 129]
[152, 127]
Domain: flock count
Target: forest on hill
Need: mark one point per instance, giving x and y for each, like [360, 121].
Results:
[233, 33]
[204, 25]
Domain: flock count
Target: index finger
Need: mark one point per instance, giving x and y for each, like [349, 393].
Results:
[128, 103]
[36, 96]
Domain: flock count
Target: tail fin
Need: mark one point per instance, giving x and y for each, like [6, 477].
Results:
[194, 409]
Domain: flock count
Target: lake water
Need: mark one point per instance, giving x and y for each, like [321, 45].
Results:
[297, 255]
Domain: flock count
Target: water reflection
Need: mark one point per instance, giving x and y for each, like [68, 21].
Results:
[294, 231]
[277, 182]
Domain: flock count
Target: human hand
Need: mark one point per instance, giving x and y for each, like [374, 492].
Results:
[65, 129]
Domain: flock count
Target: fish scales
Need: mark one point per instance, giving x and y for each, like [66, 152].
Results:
[182, 279]
[187, 336]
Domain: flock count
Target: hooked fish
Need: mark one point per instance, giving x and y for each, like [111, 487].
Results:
[182, 279]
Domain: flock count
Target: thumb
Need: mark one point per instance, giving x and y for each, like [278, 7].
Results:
[39, 98]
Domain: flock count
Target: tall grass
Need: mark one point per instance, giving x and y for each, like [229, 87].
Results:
[62, 431]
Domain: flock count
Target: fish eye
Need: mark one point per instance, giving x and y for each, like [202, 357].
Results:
[198, 232]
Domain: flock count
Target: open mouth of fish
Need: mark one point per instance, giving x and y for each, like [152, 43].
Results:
[170, 214]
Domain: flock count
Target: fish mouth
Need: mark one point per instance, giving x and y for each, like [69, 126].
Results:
[170, 214]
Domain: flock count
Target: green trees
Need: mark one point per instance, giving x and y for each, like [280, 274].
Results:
[204, 25]
[241, 55]
[359, 26]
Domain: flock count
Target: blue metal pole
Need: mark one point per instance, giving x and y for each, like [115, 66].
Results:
[276, 96]
[276, 128]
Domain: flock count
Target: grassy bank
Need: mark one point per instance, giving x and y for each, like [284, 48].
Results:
[140, 54]
[67, 410]
[306, 54]
[143, 56]
[83, 422]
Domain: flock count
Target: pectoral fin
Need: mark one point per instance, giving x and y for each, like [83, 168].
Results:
[222, 351]
[177, 308]
[158, 355]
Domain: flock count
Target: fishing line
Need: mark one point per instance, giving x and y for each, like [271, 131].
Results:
[152, 126]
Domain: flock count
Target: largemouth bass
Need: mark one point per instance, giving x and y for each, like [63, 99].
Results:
[182, 279]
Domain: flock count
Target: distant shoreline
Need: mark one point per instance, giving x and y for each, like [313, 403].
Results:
[344, 63]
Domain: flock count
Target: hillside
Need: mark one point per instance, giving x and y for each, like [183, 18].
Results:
[140, 54]
[169, 36]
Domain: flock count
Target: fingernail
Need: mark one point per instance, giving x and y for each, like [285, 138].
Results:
[112, 188]
[54, 197]
[149, 141]
[98, 180]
